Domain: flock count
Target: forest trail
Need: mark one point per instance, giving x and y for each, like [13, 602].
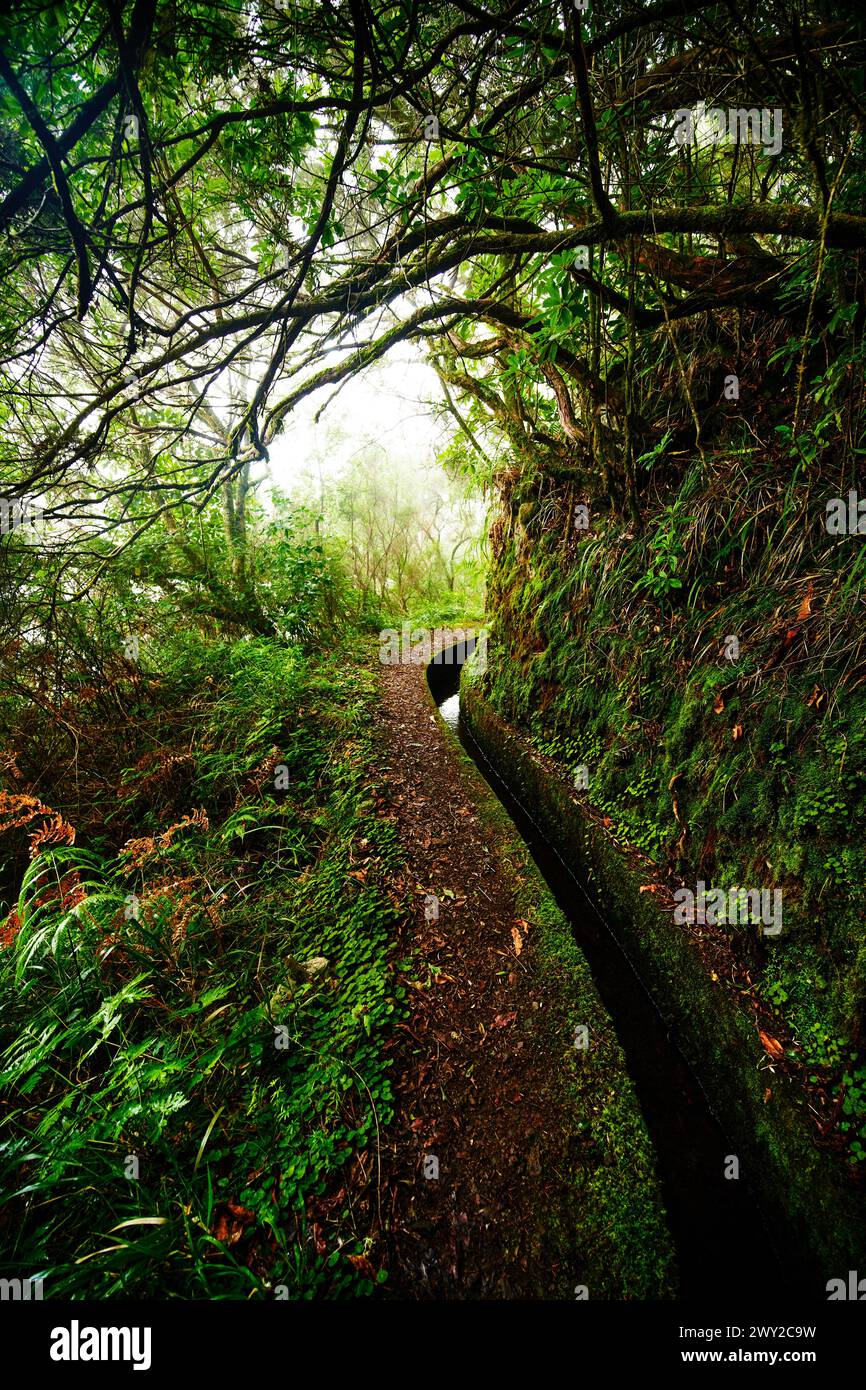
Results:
[474, 1085]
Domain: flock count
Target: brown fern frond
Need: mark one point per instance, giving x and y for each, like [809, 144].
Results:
[138, 851]
[18, 809]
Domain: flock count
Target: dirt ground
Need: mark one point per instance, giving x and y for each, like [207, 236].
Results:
[473, 1092]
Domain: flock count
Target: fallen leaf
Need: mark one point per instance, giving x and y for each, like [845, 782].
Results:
[518, 941]
[230, 1220]
[503, 1020]
[737, 732]
[363, 1266]
[806, 606]
[771, 1045]
[718, 705]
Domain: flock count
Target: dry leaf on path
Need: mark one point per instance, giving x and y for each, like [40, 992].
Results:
[771, 1045]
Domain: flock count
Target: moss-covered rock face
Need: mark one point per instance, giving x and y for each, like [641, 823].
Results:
[705, 674]
[813, 1206]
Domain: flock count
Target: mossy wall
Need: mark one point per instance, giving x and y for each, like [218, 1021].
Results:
[813, 1207]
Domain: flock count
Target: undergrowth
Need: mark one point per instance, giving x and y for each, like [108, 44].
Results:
[189, 1107]
[705, 675]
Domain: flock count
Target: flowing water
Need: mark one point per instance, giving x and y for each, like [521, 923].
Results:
[723, 1246]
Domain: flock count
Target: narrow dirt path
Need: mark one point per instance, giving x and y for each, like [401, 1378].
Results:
[473, 1091]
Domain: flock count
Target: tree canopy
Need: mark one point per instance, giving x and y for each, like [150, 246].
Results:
[210, 211]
